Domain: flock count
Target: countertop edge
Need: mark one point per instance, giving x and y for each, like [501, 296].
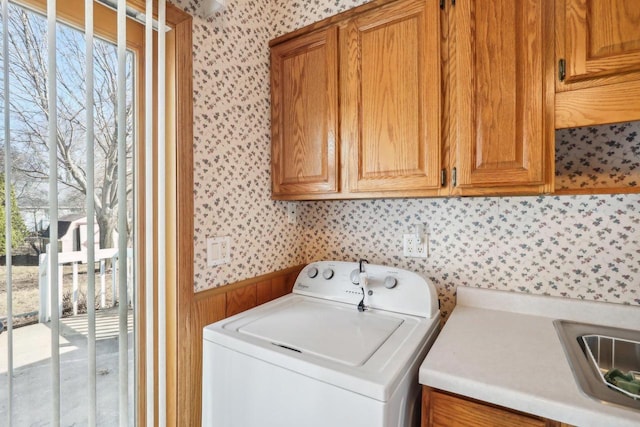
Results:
[597, 312]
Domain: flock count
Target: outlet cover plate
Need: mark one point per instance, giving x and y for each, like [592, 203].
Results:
[411, 248]
[292, 213]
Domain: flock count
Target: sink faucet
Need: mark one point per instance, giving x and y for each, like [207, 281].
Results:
[363, 285]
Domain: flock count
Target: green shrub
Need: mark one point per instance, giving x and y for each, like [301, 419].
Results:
[18, 227]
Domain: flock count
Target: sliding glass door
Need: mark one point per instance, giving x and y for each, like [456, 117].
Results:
[72, 137]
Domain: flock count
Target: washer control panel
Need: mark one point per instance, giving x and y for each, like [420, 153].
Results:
[382, 287]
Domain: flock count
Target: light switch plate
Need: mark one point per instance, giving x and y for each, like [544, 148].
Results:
[218, 250]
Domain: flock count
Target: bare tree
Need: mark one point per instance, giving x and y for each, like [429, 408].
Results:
[29, 100]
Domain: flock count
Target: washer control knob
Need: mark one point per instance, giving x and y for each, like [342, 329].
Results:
[327, 274]
[355, 277]
[312, 272]
[390, 282]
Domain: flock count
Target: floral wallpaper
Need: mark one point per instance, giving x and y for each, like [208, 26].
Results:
[576, 246]
[584, 247]
[232, 146]
[602, 156]
[291, 15]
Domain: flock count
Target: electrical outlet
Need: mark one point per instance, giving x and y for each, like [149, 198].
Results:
[414, 249]
[292, 213]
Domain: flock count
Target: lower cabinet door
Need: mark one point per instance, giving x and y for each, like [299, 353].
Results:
[445, 409]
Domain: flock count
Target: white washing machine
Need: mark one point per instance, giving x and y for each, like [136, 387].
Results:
[342, 350]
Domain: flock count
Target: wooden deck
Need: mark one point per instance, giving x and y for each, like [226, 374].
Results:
[32, 342]
[106, 324]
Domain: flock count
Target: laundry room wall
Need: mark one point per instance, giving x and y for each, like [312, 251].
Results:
[577, 246]
[232, 145]
[232, 148]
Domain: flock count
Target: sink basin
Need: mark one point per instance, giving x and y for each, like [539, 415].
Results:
[592, 350]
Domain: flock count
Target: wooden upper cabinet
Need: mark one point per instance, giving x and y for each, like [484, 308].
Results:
[304, 115]
[391, 98]
[602, 37]
[599, 43]
[502, 94]
[378, 101]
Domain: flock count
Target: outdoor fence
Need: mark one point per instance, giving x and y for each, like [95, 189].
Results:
[102, 256]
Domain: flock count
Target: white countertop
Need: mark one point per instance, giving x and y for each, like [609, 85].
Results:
[502, 348]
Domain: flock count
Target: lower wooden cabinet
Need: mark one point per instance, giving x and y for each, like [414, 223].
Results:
[445, 409]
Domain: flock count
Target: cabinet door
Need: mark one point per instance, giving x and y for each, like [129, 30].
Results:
[390, 59]
[446, 409]
[304, 121]
[503, 94]
[602, 37]
[599, 42]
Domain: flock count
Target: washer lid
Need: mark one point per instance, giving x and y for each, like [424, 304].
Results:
[341, 334]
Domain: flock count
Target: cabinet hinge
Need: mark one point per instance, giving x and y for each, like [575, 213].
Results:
[562, 69]
[443, 177]
[453, 2]
[454, 176]
[442, 4]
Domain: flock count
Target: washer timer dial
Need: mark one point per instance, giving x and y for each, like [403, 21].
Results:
[312, 272]
[327, 274]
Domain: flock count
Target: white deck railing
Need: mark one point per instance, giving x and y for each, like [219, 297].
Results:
[75, 259]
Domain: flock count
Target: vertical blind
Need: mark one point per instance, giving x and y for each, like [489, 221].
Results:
[90, 206]
[53, 209]
[7, 204]
[123, 344]
[149, 201]
[153, 231]
[162, 362]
